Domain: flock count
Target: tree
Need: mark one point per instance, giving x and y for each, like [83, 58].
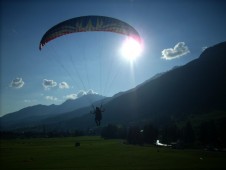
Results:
[188, 135]
[208, 134]
[170, 133]
[150, 133]
[135, 136]
[113, 132]
[221, 129]
[109, 132]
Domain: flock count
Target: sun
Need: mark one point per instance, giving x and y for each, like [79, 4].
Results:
[131, 49]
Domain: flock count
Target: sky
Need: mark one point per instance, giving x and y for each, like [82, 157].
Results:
[173, 32]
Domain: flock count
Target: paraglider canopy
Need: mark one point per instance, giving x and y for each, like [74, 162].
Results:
[89, 23]
[103, 70]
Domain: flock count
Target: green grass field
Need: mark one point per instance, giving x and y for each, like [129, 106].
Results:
[96, 153]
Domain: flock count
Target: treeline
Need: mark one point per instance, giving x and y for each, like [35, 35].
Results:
[209, 134]
[34, 134]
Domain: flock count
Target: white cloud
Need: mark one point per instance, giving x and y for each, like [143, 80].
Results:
[47, 84]
[29, 100]
[71, 96]
[180, 49]
[90, 91]
[81, 93]
[63, 85]
[51, 98]
[203, 48]
[17, 83]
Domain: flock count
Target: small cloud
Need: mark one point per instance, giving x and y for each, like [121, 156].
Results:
[90, 91]
[71, 96]
[180, 49]
[81, 93]
[51, 98]
[47, 84]
[29, 101]
[203, 48]
[63, 85]
[17, 83]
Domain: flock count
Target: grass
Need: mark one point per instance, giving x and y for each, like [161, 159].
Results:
[96, 153]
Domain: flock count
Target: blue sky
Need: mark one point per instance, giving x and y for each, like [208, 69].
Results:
[173, 32]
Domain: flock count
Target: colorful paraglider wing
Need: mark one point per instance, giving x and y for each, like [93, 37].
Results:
[89, 23]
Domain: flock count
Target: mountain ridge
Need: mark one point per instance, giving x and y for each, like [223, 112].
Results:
[197, 87]
[37, 113]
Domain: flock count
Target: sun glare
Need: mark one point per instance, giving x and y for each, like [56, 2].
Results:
[131, 49]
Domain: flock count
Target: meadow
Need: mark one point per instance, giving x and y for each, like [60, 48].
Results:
[97, 153]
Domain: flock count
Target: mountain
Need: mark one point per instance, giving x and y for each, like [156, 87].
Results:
[29, 114]
[197, 88]
[84, 101]
[36, 114]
